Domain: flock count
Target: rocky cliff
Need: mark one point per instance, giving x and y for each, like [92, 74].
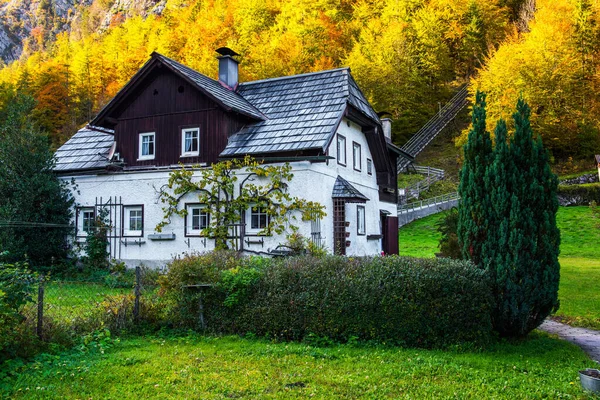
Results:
[27, 25]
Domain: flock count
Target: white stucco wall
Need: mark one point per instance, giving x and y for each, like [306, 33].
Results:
[312, 181]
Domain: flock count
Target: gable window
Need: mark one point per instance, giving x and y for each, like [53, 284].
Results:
[197, 219]
[369, 166]
[147, 146]
[360, 220]
[259, 219]
[190, 142]
[86, 218]
[133, 220]
[341, 150]
[356, 156]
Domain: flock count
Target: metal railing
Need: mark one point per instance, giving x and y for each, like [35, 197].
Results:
[429, 171]
[434, 126]
[414, 190]
[433, 202]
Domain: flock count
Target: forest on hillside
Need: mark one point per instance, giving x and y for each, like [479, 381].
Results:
[408, 56]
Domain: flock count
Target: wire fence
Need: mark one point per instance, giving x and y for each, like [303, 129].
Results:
[64, 309]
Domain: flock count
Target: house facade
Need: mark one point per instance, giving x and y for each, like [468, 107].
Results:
[169, 115]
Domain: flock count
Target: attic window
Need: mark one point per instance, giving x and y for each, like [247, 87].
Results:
[155, 92]
[341, 150]
[180, 89]
[147, 146]
[190, 142]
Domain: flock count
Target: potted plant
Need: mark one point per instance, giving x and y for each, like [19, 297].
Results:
[590, 379]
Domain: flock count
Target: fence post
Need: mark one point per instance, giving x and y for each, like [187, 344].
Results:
[40, 309]
[136, 305]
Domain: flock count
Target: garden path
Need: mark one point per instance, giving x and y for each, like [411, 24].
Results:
[587, 339]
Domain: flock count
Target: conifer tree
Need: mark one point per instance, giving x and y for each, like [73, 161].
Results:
[474, 204]
[526, 263]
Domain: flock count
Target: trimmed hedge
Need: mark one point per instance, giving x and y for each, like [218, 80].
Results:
[399, 300]
[578, 195]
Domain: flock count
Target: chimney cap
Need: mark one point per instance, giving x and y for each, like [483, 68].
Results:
[226, 51]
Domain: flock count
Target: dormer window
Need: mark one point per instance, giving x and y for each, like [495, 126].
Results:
[147, 146]
[190, 142]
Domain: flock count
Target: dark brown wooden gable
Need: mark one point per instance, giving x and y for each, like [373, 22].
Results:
[165, 103]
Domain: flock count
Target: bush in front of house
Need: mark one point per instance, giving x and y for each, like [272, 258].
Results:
[400, 300]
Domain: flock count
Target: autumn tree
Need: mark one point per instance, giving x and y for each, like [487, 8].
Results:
[229, 188]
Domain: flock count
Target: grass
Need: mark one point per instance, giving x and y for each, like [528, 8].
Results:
[195, 366]
[579, 291]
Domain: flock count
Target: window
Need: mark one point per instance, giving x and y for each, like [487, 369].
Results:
[341, 150]
[259, 219]
[147, 146]
[190, 142]
[360, 220]
[133, 220]
[197, 219]
[369, 166]
[356, 156]
[86, 218]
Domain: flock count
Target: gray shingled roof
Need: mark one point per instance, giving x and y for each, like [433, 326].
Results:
[302, 110]
[89, 148]
[342, 189]
[598, 158]
[221, 94]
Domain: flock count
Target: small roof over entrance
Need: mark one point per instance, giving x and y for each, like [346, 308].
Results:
[342, 189]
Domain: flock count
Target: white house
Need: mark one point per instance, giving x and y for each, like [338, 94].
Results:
[167, 114]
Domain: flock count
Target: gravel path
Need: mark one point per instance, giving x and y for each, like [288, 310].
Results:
[587, 339]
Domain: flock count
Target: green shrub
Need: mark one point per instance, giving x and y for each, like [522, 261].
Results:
[408, 301]
[578, 195]
[17, 285]
[448, 227]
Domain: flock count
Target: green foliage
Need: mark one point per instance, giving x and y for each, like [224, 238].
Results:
[236, 283]
[300, 245]
[447, 227]
[30, 194]
[96, 244]
[425, 303]
[513, 214]
[17, 285]
[580, 195]
[263, 186]
[473, 221]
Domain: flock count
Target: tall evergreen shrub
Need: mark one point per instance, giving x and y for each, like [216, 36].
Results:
[524, 242]
[520, 242]
[474, 204]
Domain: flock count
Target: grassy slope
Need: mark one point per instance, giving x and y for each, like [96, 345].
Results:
[580, 261]
[214, 368]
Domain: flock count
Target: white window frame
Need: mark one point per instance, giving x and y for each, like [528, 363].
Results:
[189, 222]
[127, 231]
[249, 213]
[185, 131]
[140, 146]
[369, 166]
[361, 222]
[81, 211]
[341, 149]
[356, 160]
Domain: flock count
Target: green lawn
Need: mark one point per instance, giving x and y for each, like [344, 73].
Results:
[218, 368]
[580, 261]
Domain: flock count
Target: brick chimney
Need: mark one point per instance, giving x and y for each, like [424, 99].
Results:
[228, 67]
